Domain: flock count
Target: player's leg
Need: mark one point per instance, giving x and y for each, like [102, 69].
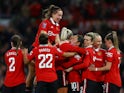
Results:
[30, 77]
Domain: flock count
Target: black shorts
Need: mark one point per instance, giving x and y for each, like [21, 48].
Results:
[90, 86]
[62, 82]
[74, 87]
[111, 88]
[100, 86]
[16, 89]
[46, 87]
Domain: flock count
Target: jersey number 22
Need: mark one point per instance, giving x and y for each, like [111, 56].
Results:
[46, 60]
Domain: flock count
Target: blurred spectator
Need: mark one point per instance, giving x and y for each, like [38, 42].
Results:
[2, 74]
[35, 9]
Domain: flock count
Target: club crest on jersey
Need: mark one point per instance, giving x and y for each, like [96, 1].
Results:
[44, 25]
[57, 28]
[99, 53]
[51, 26]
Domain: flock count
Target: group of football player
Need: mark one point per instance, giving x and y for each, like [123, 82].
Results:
[60, 62]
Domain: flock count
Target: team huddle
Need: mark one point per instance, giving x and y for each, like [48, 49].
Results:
[60, 62]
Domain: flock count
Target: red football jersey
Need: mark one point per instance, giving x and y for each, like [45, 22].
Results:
[44, 56]
[15, 68]
[88, 59]
[50, 27]
[85, 62]
[73, 76]
[113, 76]
[72, 61]
[67, 47]
[86, 74]
[99, 62]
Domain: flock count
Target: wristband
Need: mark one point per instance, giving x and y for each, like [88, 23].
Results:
[96, 69]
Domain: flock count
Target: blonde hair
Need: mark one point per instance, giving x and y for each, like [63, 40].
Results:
[114, 38]
[92, 35]
[65, 34]
[96, 34]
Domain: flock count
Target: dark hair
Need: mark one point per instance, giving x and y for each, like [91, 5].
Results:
[43, 39]
[47, 13]
[80, 39]
[16, 40]
[109, 36]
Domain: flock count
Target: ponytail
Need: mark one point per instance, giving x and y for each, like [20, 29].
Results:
[65, 34]
[115, 40]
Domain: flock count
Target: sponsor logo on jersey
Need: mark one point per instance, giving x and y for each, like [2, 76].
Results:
[98, 59]
[109, 54]
[50, 33]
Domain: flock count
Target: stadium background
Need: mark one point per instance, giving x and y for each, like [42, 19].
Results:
[81, 16]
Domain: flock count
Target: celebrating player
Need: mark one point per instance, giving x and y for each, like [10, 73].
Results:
[15, 77]
[50, 24]
[112, 76]
[44, 56]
